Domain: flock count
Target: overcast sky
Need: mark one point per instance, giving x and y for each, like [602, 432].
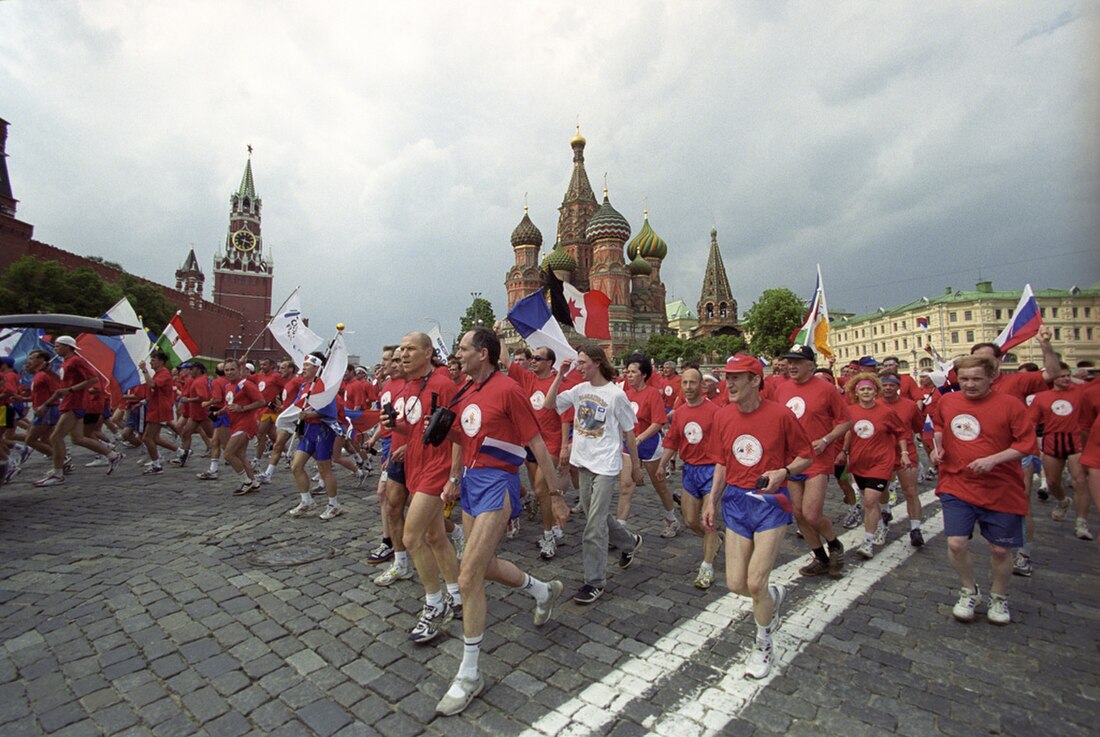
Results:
[903, 146]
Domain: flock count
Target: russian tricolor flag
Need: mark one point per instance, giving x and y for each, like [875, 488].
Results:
[776, 499]
[1025, 322]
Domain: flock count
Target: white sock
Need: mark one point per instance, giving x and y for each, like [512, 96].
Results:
[458, 533]
[536, 588]
[623, 522]
[270, 471]
[471, 649]
[214, 463]
[547, 534]
[435, 601]
[307, 498]
[558, 532]
[670, 515]
[333, 502]
[455, 594]
[914, 524]
[763, 636]
[709, 567]
[869, 536]
[401, 558]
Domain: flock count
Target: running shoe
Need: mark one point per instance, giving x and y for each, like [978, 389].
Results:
[360, 478]
[1022, 565]
[181, 459]
[431, 623]
[263, 478]
[544, 611]
[513, 529]
[1043, 493]
[114, 462]
[676, 497]
[836, 560]
[456, 609]
[1081, 529]
[247, 487]
[880, 533]
[672, 526]
[468, 689]
[759, 664]
[853, 517]
[396, 572]
[997, 613]
[588, 594]
[98, 462]
[779, 595]
[967, 603]
[12, 471]
[154, 470]
[207, 475]
[814, 568]
[867, 549]
[704, 578]
[380, 554]
[626, 557]
[50, 480]
[916, 537]
[577, 508]
[331, 511]
[303, 509]
[24, 454]
[548, 547]
[893, 493]
[1059, 512]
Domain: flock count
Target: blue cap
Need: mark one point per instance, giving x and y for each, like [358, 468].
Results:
[867, 361]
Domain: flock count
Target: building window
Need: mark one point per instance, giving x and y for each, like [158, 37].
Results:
[904, 342]
[955, 336]
[969, 336]
[903, 365]
[1075, 312]
[1088, 333]
[952, 317]
[903, 324]
[874, 330]
[1010, 358]
[897, 344]
[1054, 312]
[722, 310]
[968, 315]
[1042, 312]
[925, 363]
[1088, 312]
[1077, 333]
[998, 314]
[895, 326]
[1057, 333]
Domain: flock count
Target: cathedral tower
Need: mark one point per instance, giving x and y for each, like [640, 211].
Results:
[525, 277]
[189, 280]
[576, 208]
[717, 308]
[607, 231]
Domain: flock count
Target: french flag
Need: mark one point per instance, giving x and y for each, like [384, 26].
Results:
[532, 320]
[1025, 322]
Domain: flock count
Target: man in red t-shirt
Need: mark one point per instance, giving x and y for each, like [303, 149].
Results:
[981, 435]
[1089, 424]
[289, 384]
[161, 397]
[823, 415]
[43, 385]
[1024, 383]
[242, 403]
[758, 446]
[912, 419]
[270, 383]
[195, 416]
[1057, 412]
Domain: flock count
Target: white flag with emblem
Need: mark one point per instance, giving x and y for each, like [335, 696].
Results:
[290, 330]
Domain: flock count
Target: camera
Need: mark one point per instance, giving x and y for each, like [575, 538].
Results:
[389, 414]
[439, 424]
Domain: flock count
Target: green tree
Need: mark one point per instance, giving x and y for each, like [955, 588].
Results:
[772, 319]
[148, 301]
[478, 314]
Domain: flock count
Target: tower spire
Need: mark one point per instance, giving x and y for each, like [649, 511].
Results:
[717, 308]
[247, 188]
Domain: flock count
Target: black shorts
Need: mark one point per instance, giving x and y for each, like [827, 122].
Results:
[91, 418]
[395, 471]
[1061, 445]
[839, 470]
[866, 482]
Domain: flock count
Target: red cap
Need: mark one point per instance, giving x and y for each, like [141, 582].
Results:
[742, 364]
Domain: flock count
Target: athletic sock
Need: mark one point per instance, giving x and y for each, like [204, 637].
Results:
[307, 498]
[270, 471]
[333, 501]
[763, 636]
[558, 532]
[454, 593]
[547, 534]
[820, 554]
[536, 588]
[914, 524]
[401, 558]
[471, 649]
[214, 464]
[670, 515]
[707, 566]
[435, 601]
[868, 537]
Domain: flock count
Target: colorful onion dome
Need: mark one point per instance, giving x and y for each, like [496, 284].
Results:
[639, 266]
[647, 243]
[559, 260]
[607, 223]
[526, 234]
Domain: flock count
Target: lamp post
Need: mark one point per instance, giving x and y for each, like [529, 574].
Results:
[235, 344]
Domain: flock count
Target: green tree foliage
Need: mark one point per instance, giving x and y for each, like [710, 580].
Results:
[31, 285]
[704, 351]
[771, 320]
[479, 313]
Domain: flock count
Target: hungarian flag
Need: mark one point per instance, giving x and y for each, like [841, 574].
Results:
[1025, 322]
[815, 329]
[177, 342]
[585, 312]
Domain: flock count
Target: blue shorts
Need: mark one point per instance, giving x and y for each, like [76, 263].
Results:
[385, 451]
[530, 456]
[221, 420]
[395, 471]
[135, 419]
[484, 490]
[798, 477]
[697, 480]
[49, 417]
[999, 528]
[649, 449]
[317, 441]
[1032, 463]
[747, 515]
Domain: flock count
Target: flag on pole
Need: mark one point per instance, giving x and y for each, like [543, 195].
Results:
[1024, 324]
[815, 328]
[290, 330]
[129, 349]
[439, 345]
[331, 375]
[586, 312]
[177, 342]
[532, 320]
[922, 322]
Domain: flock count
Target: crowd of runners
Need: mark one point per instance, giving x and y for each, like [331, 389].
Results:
[757, 444]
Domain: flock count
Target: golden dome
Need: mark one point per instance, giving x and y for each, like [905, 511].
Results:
[577, 139]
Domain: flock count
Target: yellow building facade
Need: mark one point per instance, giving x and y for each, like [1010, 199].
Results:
[959, 319]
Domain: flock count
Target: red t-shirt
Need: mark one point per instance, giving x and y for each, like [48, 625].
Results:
[691, 431]
[270, 386]
[772, 382]
[497, 421]
[766, 439]
[427, 468]
[9, 387]
[198, 388]
[874, 450]
[547, 415]
[1020, 385]
[647, 406]
[162, 395]
[1057, 411]
[43, 385]
[1089, 422]
[75, 370]
[355, 395]
[242, 394]
[973, 429]
[218, 388]
[819, 408]
[391, 393]
[290, 390]
[912, 419]
[670, 390]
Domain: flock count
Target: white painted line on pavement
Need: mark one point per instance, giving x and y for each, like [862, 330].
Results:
[706, 711]
[602, 701]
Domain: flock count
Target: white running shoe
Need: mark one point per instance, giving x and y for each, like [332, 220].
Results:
[1081, 529]
[331, 511]
[867, 549]
[967, 603]
[513, 529]
[760, 661]
[50, 480]
[98, 462]
[303, 509]
[396, 572]
[704, 578]
[998, 610]
[672, 526]
[880, 534]
[548, 547]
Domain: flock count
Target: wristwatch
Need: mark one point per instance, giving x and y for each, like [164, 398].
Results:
[455, 480]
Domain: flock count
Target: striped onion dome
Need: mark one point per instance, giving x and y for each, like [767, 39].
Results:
[639, 266]
[559, 260]
[607, 223]
[647, 243]
[526, 234]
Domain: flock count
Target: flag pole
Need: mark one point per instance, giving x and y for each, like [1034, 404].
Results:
[269, 319]
[153, 347]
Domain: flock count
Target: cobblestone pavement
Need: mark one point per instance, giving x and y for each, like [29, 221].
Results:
[132, 605]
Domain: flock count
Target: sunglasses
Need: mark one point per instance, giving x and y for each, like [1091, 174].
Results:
[540, 358]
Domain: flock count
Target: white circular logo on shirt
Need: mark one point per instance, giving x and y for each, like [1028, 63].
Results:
[538, 400]
[747, 450]
[1061, 408]
[384, 399]
[413, 410]
[229, 397]
[1030, 399]
[634, 408]
[797, 405]
[399, 407]
[693, 432]
[471, 420]
[966, 427]
[262, 385]
[668, 390]
[864, 429]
